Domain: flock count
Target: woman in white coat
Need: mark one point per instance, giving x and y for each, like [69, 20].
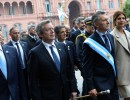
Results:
[122, 54]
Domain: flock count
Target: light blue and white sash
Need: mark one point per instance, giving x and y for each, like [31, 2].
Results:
[102, 51]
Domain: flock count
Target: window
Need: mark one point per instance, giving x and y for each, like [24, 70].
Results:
[4, 30]
[98, 4]
[47, 6]
[119, 1]
[13, 11]
[110, 4]
[10, 10]
[18, 25]
[88, 6]
[31, 23]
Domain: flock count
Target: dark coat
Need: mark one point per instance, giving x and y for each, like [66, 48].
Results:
[24, 47]
[30, 41]
[79, 44]
[46, 82]
[98, 72]
[74, 35]
[73, 56]
[25, 51]
[14, 86]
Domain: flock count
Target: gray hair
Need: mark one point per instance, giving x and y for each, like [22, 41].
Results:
[30, 26]
[79, 19]
[40, 26]
[95, 17]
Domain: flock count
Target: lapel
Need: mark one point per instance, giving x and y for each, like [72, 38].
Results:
[68, 47]
[6, 53]
[47, 56]
[60, 54]
[10, 43]
[23, 46]
[97, 38]
[121, 41]
[111, 41]
[128, 38]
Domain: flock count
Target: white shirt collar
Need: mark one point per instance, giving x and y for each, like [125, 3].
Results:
[100, 33]
[1, 48]
[47, 44]
[32, 36]
[14, 43]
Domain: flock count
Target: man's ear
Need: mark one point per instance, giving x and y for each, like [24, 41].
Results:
[40, 35]
[96, 25]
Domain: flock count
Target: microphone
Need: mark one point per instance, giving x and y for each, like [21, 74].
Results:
[99, 93]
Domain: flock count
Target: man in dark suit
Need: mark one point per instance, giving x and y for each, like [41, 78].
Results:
[75, 27]
[98, 66]
[89, 29]
[31, 37]
[60, 32]
[80, 30]
[22, 50]
[12, 86]
[50, 71]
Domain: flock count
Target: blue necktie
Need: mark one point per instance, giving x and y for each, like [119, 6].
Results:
[106, 42]
[57, 62]
[20, 56]
[3, 66]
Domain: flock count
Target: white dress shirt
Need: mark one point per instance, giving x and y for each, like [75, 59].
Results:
[47, 46]
[3, 67]
[21, 50]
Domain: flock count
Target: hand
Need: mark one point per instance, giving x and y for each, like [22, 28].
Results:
[93, 92]
[73, 95]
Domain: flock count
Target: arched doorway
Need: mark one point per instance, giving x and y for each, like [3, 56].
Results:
[74, 11]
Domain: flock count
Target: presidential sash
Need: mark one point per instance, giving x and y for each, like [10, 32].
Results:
[102, 51]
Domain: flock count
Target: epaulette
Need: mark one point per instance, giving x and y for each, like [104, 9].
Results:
[81, 35]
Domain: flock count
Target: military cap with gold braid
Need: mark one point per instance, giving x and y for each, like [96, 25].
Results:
[88, 20]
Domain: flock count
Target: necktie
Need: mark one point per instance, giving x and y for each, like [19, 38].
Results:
[57, 62]
[3, 66]
[106, 42]
[19, 54]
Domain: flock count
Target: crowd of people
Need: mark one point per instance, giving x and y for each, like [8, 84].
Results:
[41, 65]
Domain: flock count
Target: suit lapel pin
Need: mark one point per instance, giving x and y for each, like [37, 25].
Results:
[6, 51]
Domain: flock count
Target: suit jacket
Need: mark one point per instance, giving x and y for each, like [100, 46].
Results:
[79, 44]
[74, 35]
[14, 86]
[122, 57]
[71, 33]
[31, 42]
[46, 82]
[25, 49]
[98, 73]
[73, 56]
[74, 60]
